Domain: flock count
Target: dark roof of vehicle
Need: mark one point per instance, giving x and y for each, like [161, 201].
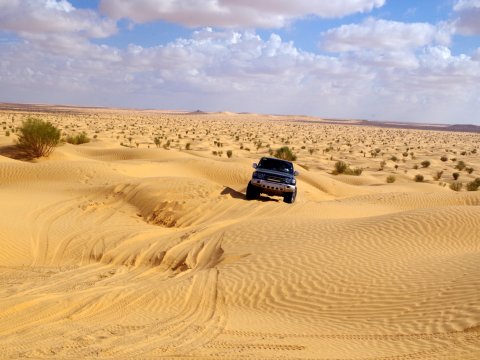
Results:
[274, 158]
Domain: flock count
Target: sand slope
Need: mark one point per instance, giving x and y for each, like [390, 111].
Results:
[110, 252]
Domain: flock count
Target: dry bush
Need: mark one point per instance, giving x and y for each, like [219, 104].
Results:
[418, 178]
[78, 139]
[37, 137]
[285, 153]
[391, 179]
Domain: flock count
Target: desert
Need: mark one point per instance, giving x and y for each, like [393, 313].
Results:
[141, 244]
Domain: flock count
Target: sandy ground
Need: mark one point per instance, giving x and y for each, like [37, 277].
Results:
[121, 249]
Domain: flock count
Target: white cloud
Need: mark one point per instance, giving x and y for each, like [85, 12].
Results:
[383, 35]
[468, 21]
[476, 55]
[52, 16]
[232, 13]
[240, 71]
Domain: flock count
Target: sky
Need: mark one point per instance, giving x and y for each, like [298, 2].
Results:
[389, 60]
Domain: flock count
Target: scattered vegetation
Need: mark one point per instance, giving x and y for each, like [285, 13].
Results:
[78, 139]
[391, 179]
[438, 175]
[473, 185]
[418, 178]
[285, 153]
[456, 186]
[342, 167]
[460, 165]
[425, 163]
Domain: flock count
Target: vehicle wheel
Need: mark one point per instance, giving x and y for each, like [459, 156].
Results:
[289, 198]
[252, 192]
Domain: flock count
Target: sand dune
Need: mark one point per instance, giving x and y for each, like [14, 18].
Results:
[142, 252]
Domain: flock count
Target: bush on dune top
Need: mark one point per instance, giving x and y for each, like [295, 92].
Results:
[37, 137]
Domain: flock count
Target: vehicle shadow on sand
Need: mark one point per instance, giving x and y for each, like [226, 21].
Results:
[241, 195]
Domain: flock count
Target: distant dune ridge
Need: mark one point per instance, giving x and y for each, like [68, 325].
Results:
[123, 248]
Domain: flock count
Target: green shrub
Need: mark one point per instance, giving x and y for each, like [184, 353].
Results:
[456, 186]
[37, 137]
[418, 178]
[391, 179]
[78, 139]
[285, 153]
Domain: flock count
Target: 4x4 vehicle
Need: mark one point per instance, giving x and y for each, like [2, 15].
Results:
[273, 177]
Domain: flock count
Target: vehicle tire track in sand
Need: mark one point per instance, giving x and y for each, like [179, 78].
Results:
[42, 220]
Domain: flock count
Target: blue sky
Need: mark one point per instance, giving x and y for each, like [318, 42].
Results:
[405, 60]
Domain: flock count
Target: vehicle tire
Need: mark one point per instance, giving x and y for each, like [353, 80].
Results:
[289, 198]
[252, 192]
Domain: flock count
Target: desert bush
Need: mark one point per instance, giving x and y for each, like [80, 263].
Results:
[78, 139]
[7, 133]
[418, 178]
[469, 169]
[456, 175]
[285, 153]
[355, 172]
[456, 186]
[187, 146]
[438, 175]
[229, 153]
[473, 185]
[425, 163]
[391, 179]
[444, 158]
[340, 167]
[37, 137]
[460, 165]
